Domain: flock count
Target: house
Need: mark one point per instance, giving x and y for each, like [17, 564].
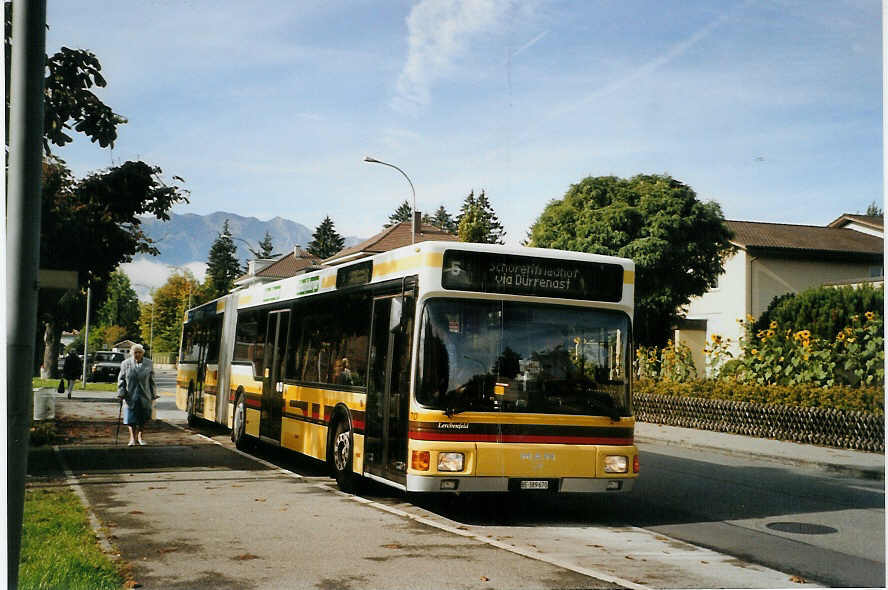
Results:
[294, 263]
[772, 259]
[123, 346]
[390, 238]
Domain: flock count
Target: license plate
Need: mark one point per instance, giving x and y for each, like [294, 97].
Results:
[534, 485]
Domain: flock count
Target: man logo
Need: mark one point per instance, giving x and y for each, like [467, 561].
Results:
[537, 456]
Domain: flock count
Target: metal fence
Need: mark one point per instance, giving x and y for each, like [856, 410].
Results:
[819, 426]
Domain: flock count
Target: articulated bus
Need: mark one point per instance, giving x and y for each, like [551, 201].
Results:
[435, 367]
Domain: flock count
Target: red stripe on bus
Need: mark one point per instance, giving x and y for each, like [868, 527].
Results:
[253, 403]
[521, 438]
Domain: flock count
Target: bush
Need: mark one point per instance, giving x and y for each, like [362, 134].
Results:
[825, 311]
[780, 355]
[42, 433]
[861, 399]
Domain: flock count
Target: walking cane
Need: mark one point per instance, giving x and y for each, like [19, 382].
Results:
[119, 414]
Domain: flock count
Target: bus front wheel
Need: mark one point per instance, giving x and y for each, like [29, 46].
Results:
[343, 456]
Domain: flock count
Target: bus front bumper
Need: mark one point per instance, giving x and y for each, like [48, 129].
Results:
[567, 485]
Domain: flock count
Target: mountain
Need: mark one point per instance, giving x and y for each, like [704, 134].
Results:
[187, 238]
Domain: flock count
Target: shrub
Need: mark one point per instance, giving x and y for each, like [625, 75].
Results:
[861, 399]
[780, 355]
[42, 433]
[825, 311]
[670, 363]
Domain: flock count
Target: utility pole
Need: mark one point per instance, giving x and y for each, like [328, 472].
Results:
[22, 254]
[86, 338]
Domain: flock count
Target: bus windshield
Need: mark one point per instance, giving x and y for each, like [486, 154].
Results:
[478, 355]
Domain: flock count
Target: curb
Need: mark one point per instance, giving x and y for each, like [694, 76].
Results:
[856, 471]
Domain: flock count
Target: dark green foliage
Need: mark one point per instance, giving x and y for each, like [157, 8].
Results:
[325, 241]
[825, 311]
[840, 397]
[404, 212]
[678, 243]
[874, 209]
[266, 248]
[222, 265]
[68, 101]
[477, 222]
[121, 306]
[91, 226]
[442, 219]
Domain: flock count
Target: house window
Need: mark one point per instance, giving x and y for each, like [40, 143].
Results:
[876, 271]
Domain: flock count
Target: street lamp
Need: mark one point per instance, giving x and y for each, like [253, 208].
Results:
[413, 222]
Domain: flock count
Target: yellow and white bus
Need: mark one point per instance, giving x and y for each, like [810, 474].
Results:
[436, 367]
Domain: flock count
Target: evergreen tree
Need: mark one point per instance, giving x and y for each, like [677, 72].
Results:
[325, 241]
[121, 306]
[442, 219]
[222, 265]
[874, 209]
[403, 213]
[266, 249]
[477, 221]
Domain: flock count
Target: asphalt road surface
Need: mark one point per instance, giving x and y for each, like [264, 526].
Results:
[689, 512]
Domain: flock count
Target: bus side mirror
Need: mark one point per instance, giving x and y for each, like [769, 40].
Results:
[402, 313]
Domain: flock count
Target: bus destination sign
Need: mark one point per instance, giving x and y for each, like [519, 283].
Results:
[527, 275]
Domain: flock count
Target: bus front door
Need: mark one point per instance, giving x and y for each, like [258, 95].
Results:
[273, 381]
[385, 442]
[200, 378]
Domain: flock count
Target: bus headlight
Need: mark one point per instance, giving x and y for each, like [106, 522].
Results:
[616, 464]
[451, 461]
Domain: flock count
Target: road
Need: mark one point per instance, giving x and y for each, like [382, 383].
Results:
[690, 512]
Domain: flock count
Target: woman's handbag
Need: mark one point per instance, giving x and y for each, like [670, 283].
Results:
[61, 387]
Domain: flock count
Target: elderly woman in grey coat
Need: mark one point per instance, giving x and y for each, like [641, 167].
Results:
[135, 386]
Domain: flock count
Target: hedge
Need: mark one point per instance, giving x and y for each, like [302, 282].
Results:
[850, 399]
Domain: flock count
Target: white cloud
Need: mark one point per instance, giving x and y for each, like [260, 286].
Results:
[439, 32]
[145, 274]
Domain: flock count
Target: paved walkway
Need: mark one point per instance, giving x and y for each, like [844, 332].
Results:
[186, 513]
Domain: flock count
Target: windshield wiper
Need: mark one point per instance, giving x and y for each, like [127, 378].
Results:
[454, 406]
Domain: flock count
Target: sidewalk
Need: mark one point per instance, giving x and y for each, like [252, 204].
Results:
[845, 462]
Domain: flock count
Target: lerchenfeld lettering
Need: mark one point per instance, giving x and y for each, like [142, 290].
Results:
[453, 425]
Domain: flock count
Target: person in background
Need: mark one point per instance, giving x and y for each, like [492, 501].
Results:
[136, 387]
[72, 370]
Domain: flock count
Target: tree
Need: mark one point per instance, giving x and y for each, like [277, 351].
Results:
[92, 225]
[442, 219]
[266, 249]
[222, 266]
[325, 241]
[678, 243]
[874, 209]
[169, 302]
[404, 212]
[68, 101]
[121, 306]
[477, 221]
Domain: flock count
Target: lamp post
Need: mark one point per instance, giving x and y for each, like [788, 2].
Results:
[413, 221]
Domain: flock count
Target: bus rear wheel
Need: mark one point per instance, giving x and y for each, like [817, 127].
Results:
[343, 456]
[239, 424]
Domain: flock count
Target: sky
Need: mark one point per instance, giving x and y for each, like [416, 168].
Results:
[267, 108]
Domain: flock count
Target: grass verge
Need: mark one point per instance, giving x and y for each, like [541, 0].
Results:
[59, 549]
[53, 383]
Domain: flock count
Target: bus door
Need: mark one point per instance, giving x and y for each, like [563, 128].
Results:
[200, 341]
[273, 377]
[388, 388]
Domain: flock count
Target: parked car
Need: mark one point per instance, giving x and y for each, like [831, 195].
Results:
[106, 365]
